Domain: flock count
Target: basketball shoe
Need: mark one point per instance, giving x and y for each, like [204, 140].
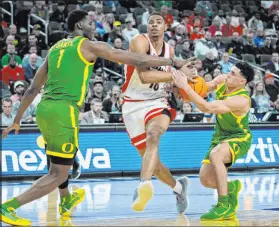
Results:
[142, 195]
[65, 207]
[219, 212]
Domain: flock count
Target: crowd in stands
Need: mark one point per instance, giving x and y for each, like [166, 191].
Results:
[218, 32]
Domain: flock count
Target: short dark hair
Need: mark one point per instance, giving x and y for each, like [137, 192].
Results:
[6, 100]
[246, 70]
[75, 17]
[158, 14]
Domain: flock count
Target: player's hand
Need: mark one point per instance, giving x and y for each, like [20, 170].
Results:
[179, 63]
[179, 79]
[189, 71]
[220, 79]
[14, 126]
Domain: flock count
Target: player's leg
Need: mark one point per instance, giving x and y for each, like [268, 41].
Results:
[45, 185]
[179, 186]
[219, 157]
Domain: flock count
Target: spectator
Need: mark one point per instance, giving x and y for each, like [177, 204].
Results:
[255, 22]
[185, 22]
[242, 28]
[235, 46]
[262, 99]
[11, 52]
[40, 10]
[209, 62]
[274, 8]
[276, 104]
[129, 32]
[13, 32]
[267, 48]
[273, 66]
[113, 4]
[113, 103]
[41, 42]
[274, 24]
[259, 39]
[60, 14]
[7, 118]
[97, 26]
[179, 34]
[250, 46]
[225, 64]
[32, 41]
[100, 16]
[12, 72]
[95, 115]
[195, 16]
[220, 46]
[168, 17]
[96, 35]
[204, 46]
[115, 33]
[186, 108]
[9, 41]
[108, 22]
[220, 17]
[208, 77]
[216, 26]
[272, 87]
[204, 7]
[18, 90]
[217, 71]
[196, 34]
[186, 52]
[31, 69]
[146, 14]
[98, 91]
[26, 59]
[172, 43]
[29, 114]
[227, 29]
[234, 18]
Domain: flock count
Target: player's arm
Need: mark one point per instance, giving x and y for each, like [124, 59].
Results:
[139, 44]
[38, 81]
[101, 49]
[236, 103]
[213, 85]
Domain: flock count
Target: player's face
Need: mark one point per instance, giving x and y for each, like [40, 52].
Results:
[87, 28]
[156, 26]
[235, 78]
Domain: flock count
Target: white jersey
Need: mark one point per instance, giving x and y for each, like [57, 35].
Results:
[133, 89]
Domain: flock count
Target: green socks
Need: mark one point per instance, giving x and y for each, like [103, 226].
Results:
[65, 199]
[224, 200]
[12, 203]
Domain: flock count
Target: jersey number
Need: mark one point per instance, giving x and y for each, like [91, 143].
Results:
[60, 57]
[155, 87]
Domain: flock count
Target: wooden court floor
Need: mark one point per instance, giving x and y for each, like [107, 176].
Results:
[108, 203]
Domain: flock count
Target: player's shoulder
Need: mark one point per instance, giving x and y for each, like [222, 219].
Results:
[139, 42]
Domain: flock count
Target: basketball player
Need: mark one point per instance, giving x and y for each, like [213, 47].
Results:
[232, 137]
[66, 72]
[147, 114]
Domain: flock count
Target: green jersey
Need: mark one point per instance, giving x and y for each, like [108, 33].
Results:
[68, 72]
[228, 125]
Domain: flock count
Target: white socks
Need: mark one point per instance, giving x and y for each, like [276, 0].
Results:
[178, 187]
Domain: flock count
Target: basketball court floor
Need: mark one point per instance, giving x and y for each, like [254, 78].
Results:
[108, 202]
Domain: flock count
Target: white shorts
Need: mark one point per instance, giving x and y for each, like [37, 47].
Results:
[137, 114]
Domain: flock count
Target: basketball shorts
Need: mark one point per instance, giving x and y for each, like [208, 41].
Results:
[239, 146]
[137, 114]
[58, 123]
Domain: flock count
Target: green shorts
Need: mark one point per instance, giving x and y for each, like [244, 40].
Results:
[239, 146]
[58, 123]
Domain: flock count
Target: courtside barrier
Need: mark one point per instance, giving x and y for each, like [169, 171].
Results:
[107, 149]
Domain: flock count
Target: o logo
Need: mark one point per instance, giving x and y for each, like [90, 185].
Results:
[68, 147]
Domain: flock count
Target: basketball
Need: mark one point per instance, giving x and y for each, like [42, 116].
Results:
[199, 87]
